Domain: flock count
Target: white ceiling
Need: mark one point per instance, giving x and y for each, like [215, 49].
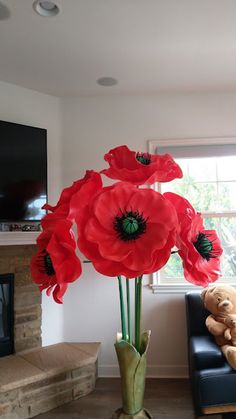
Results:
[150, 46]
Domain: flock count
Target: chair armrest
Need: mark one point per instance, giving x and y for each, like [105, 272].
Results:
[204, 353]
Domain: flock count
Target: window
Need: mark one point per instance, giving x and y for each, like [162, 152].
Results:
[209, 183]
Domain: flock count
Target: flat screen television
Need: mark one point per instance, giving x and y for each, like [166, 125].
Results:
[23, 172]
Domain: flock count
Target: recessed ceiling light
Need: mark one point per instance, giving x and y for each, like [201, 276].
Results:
[107, 81]
[46, 8]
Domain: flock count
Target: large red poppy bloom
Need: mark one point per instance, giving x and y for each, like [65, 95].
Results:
[140, 168]
[55, 264]
[90, 184]
[199, 248]
[127, 231]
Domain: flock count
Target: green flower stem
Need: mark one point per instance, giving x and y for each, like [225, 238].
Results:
[138, 306]
[139, 310]
[135, 312]
[128, 311]
[122, 309]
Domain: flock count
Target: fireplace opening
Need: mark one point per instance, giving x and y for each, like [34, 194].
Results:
[6, 314]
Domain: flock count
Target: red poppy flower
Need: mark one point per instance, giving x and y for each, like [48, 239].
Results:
[50, 221]
[91, 182]
[55, 264]
[140, 168]
[199, 248]
[127, 231]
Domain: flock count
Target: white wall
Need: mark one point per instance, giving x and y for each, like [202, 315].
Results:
[28, 107]
[91, 126]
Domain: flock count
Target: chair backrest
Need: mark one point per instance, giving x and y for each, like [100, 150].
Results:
[196, 314]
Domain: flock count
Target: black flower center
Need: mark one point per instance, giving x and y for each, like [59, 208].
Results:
[48, 265]
[204, 246]
[130, 225]
[45, 264]
[143, 158]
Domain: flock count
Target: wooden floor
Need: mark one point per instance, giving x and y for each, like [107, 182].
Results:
[164, 398]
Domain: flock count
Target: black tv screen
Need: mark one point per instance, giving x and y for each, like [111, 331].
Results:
[23, 172]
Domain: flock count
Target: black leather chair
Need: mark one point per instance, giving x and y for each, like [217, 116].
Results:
[213, 380]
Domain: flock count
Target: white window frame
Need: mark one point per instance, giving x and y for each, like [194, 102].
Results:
[178, 142]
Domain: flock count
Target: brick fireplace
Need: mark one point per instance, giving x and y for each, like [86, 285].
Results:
[36, 379]
[15, 259]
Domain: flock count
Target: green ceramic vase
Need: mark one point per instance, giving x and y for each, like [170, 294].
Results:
[133, 374]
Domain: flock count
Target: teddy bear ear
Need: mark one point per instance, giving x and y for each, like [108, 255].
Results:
[203, 294]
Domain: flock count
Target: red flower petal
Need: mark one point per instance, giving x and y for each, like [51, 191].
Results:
[101, 240]
[55, 263]
[111, 268]
[129, 166]
[200, 266]
[68, 202]
[59, 292]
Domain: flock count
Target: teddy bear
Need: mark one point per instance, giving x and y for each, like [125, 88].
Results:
[220, 301]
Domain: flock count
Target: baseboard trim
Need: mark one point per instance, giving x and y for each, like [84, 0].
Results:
[153, 371]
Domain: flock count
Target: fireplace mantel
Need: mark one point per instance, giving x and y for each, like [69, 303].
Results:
[18, 237]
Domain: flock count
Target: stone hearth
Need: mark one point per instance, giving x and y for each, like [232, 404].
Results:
[27, 298]
[41, 379]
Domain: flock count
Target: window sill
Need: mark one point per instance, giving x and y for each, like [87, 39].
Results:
[182, 289]
[173, 289]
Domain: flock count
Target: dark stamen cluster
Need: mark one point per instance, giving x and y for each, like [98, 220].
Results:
[143, 158]
[204, 246]
[45, 264]
[130, 225]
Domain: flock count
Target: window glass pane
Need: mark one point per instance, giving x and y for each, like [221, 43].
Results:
[202, 196]
[226, 196]
[226, 168]
[202, 170]
[174, 267]
[184, 166]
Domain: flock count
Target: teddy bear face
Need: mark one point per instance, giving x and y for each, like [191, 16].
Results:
[220, 299]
